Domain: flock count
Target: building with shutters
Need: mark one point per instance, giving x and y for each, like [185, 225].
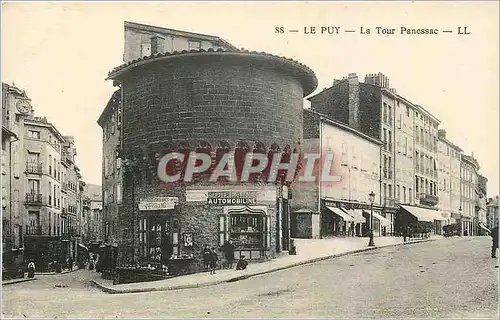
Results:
[42, 222]
[449, 184]
[409, 132]
[339, 208]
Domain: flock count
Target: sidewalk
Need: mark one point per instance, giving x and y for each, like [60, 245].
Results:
[308, 251]
[18, 280]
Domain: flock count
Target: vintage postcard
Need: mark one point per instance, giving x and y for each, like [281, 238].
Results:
[250, 159]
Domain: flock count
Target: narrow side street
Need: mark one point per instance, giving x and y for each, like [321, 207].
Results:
[423, 280]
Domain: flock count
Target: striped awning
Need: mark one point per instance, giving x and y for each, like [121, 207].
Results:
[384, 222]
[423, 214]
[357, 214]
[341, 213]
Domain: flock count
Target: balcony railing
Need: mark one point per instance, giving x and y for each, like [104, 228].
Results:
[428, 199]
[34, 198]
[34, 167]
[33, 230]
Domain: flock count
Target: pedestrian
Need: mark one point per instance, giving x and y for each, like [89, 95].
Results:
[352, 229]
[228, 249]
[31, 269]
[494, 246]
[242, 264]
[206, 257]
[213, 260]
[405, 233]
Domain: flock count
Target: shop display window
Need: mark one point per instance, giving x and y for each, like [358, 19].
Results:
[247, 231]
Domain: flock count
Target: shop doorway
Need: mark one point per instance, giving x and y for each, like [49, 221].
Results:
[249, 230]
[159, 237]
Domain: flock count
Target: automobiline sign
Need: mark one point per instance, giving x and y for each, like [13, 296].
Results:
[232, 197]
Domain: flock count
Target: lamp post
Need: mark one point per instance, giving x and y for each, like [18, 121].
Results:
[371, 196]
[461, 222]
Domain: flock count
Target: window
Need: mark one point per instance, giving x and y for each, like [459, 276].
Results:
[33, 134]
[50, 165]
[196, 45]
[406, 146]
[247, 230]
[410, 195]
[33, 186]
[50, 194]
[404, 194]
[384, 110]
[118, 193]
[398, 195]
[407, 111]
[390, 140]
[416, 184]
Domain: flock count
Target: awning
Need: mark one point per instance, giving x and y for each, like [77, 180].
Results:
[424, 214]
[384, 222]
[484, 228]
[341, 214]
[357, 214]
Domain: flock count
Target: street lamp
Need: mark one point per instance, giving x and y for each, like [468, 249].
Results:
[461, 222]
[371, 196]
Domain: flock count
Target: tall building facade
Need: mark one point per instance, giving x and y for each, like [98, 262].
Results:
[41, 223]
[449, 177]
[16, 106]
[409, 132]
[492, 212]
[91, 226]
[322, 209]
[468, 196]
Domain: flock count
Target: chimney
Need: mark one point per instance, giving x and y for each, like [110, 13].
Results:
[353, 101]
[379, 79]
[472, 155]
[156, 44]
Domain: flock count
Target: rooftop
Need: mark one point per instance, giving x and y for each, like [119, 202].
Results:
[301, 71]
[146, 27]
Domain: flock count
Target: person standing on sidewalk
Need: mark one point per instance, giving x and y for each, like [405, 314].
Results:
[494, 246]
[206, 257]
[31, 269]
[213, 260]
[228, 249]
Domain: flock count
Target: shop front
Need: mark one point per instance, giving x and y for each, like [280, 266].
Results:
[175, 228]
[342, 218]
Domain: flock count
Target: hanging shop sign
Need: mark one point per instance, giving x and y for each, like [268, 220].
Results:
[158, 203]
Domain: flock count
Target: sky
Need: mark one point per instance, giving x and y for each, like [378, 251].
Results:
[61, 53]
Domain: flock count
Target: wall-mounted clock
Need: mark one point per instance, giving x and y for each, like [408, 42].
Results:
[23, 106]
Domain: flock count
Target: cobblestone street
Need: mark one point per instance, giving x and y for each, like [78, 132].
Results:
[452, 278]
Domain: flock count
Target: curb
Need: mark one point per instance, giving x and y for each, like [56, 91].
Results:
[18, 281]
[246, 276]
[55, 273]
